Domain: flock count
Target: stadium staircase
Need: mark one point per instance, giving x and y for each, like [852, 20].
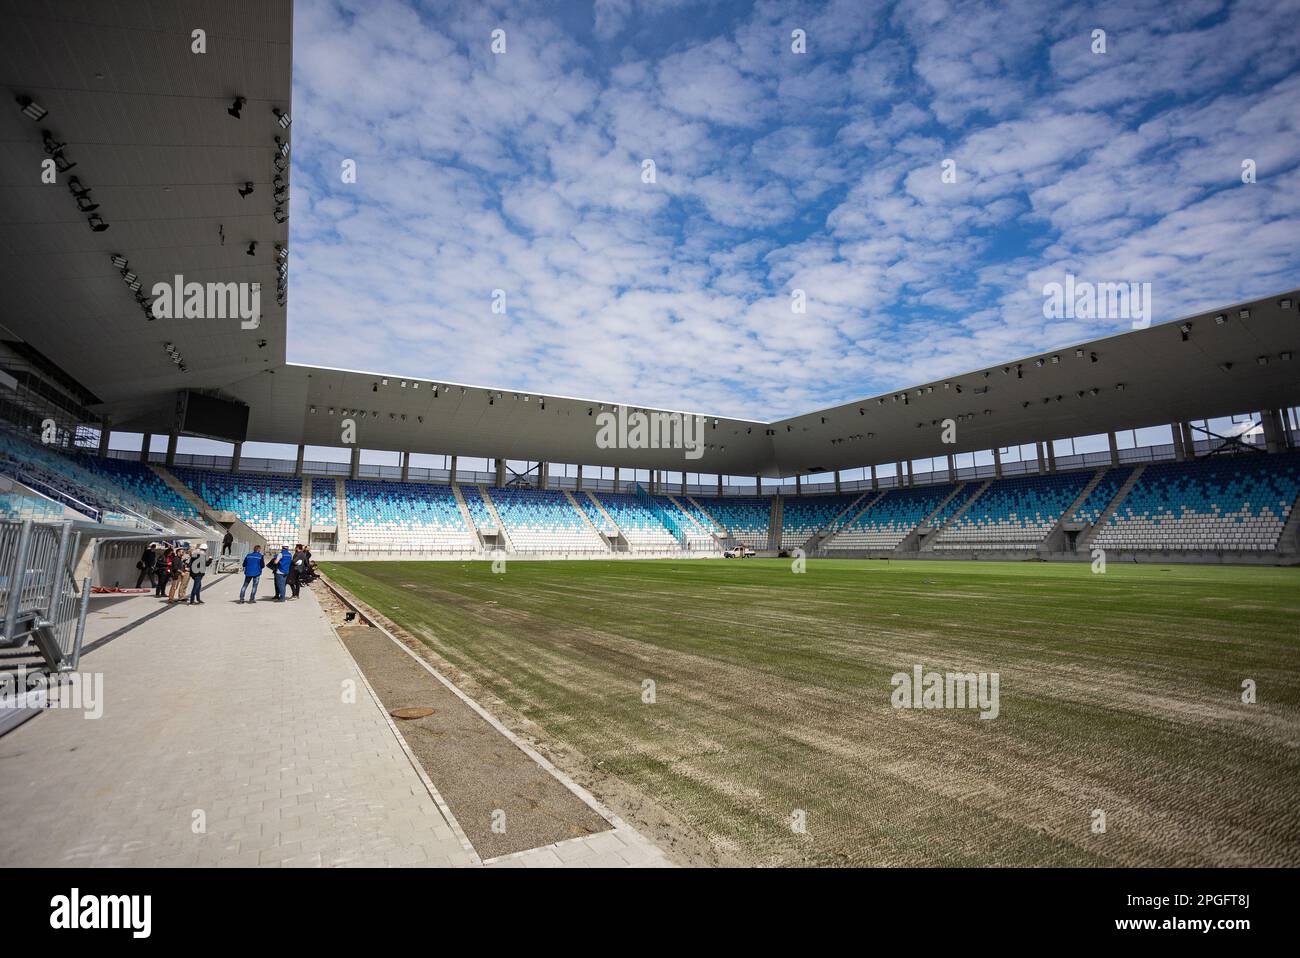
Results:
[214, 518]
[933, 524]
[304, 528]
[502, 531]
[774, 523]
[722, 533]
[851, 514]
[614, 532]
[469, 520]
[1056, 539]
[927, 542]
[848, 512]
[341, 500]
[695, 523]
[1288, 543]
[1085, 540]
[587, 519]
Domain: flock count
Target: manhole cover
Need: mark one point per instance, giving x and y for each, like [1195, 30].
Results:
[412, 712]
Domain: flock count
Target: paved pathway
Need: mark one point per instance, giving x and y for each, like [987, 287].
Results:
[235, 735]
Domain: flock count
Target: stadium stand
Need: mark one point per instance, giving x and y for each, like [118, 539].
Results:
[747, 518]
[1231, 503]
[324, 502]
[401, 517]
[642, 529]
[142, 482]
[1015, 513]
[543, 520]
[270, 505]
[1091, 509]
[891, 518]
[802, 516]
[696, 527]
[478, 510]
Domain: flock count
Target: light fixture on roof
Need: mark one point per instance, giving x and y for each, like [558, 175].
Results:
[235, 107]
[1284, 303]
[282, 147]
[119, 261]
[1093, 391]
[1262, 360]
[1243, 314]
[281, 117]
[383, 381]
[281, 251]
[96, 223]
[280, 215]
[1225, 367]
[1078, 354]
[1039, 362]
[1092, 357]
[1285, 357]
[246, 191]
[1220, 319]
[1056, 360]
[1119, 387]
[252, 248]
[313, 409]
[1185, 329]
[31, 110]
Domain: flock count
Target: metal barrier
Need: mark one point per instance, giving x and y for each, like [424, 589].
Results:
[39, 599]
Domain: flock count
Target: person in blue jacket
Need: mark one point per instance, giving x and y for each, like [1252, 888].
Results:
[282, 564]
[253, 563]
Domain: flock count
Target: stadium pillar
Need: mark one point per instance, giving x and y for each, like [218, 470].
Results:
[501, 473]
[683, 483]
[297, 467]
[171, 450]
[1177, 430]
[1272, 430]
[541, 475]
[406, 465]
[875, 480]
[616, 470]
[578, 483]
[898, 474]
[144, 446]
[758, 485]
[719, 483]
[997, 463]
[1050, 446]
[356, 461]
[1038, 454]
[1189, 440]
[952, 468]
[798, 486]
[837, 481]
[1114, 449]
[451, 477]
[236, 451]
[104, 433]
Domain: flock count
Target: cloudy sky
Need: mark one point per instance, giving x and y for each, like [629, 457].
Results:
[775, 171]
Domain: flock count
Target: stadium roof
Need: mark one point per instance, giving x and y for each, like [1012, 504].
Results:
[146, 122]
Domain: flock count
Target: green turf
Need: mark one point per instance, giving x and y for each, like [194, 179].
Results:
[1119, 692]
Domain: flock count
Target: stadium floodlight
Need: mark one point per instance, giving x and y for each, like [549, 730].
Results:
[281, 251]
[1092, 357]
[1244, 314]
[96, 222]
[1225, 367]
[128, 277]
[1056, 360]
[235, 107]
[1220, 319]
[1284, 303]
[31, 110]
[280, 215]
[282, 147]
[119, 261]
[1185, 328]
[1039, 363]
[1262, 360]
[1285, 357]
[1078, 354]
[312, 409]
[281, 117]
[1119, 387]
[1093, 391]
[246, 191]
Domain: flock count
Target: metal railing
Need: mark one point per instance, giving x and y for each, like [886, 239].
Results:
[39, 598]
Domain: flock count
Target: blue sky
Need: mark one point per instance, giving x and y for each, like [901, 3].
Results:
[775, 171]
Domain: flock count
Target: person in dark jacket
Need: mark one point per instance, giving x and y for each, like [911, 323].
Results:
[297, 569]
[227, 542]
[282, 564]
[253, 565]
[163, 566]
[199, 562]
[146, 566]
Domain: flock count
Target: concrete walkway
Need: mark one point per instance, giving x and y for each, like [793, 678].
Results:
[235, 735]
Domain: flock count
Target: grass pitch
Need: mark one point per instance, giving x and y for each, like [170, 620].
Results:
[1119, 693]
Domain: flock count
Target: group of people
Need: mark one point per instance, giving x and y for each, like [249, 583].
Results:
[172, 569]
[289, 569]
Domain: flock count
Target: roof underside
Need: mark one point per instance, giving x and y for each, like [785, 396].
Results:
[145, 120]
